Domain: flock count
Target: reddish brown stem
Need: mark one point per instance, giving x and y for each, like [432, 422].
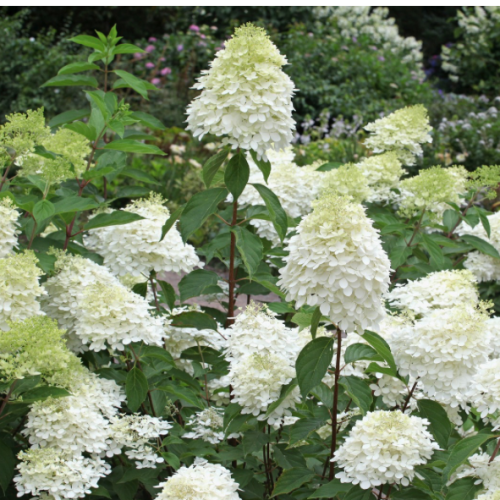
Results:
[232, 281]
[7, 397]
[4, 177]
[495, 453]
[409, 397]
[335, 405]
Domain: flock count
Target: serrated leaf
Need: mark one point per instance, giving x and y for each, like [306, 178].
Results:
[116, 218]
[88, 41]
[171, 221]
[136, 388]
[148, 120]
[82, 129]
[356, 352]
[291, 479]
[278, 215]
[463, 489]
[43, 210]
[68, 116]
[131, 146]
[264, 166]
[313, 362]
[250, 247]
[194, 283]
[398, 256]
[237, 174]
[74, 204]
[77, 68]
[212, 165]
[481, 245]
[253, 441]
[198, 209]
[440, 425]
[359, 391]
[71, 81]
[140, 86]
[194, 319]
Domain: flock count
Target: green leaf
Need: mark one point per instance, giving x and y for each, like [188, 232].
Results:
[198, 209]
[463, 449]
[171, 221]
[398, 256]
[183, 393]
[285, 392]
[485, 222]
[171, 459]
[440, 425]
[76, 68]
[194, 283]
[304, 427]
[147, 120]
[410, 494]
[278, 215]
[463, 489]
[313, 362]
[250, 247]
[291, 479]
[450, 219]
[212, 165]
[43, 392]
[153, 351]
[74, 204]
[316, 318]
[71, 81]
[357, 493]
[139, 175]
[68, 116]
[330, 490]
[127, 48]
[100, 491]
[89, 41]
[43, 210]
[264, 166]
[359, 391]
[168, 292]
[116, 218]
[434, 250]
[136, 388]
[7, 466]
[97, 173]
[326, 167]
[131, 146]
[133, 82]
[254, 441]
[381, 346]
[481, 245]
[82, 129]
[355, 352]
[118, 127]
[194, 319]
[237, 174]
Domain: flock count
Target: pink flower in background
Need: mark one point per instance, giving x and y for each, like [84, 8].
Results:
[166, 71]
[152, 39]
[162, 59]
[193, 27]
[150, 48]
[155, 81]
[138, 55]
[203, 36]
[150, 65]
[213, 28]
[180, 47]
[381, 58]
[202, 44]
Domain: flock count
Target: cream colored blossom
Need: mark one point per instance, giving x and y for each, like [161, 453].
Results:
[8, 227]
[346, 180]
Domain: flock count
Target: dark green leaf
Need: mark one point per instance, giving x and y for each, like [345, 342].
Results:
[193, 319]
[198, 208]
[357, 493]
[153, 351]
[254, 441]
[410, 494]
[127, 48]
[359, 391]
[194, 283]
[330, 490]
[68, 116]
[82, 129]
[485, 222]
[481, 245]
[183, 393]
[76, 68]
[313, 362]
[131, 146]
[88, 41]
[43, 392]
[463, 489]
[43, 210]
[250, 247]
[398, 256]
[264, 166]
[381, 346]
[440, 425]
[285, 391]
[100, 491]
[237, 174]
[74, 204]
[450, 219]
[278, 215]
[136, 388]
[171, 221]
[326, 167]
[434, 250]
[7, 465]
[355, 352]
[140, 86]
[171, 459]
[139, 175]
[168, 292]
[304, 427]
[290, 480]
[147, 120]
[115, 218]
[212, 165]
[316, 317]
[71, 81]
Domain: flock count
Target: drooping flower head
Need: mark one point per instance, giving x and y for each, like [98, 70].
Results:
[346, 180]
[8, 227]
[438, 290]
[19, 288]
[402, 132]
[384, 447]
[136, 248]
[200, 481]
[246, 97]
[337, 262]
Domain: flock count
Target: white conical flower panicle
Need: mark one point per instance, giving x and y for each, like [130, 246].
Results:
[61, 475]
[347, 180]
[257, 381]
[257, 330]
[485, 388]
[136, 248]
[384, 447]
[200, 481]
[66, 289]
[246, 97]
[402, 131]
[337, 262]
[443, 350]
[207, 425]
[19, 288]
[486, 472]
[438, 290]
[114, 316]
[8, 227]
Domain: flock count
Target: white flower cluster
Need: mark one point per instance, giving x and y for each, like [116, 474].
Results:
[488, 473]
[8, 227]
[136, 249]
[200, 481]
[402, 132]
[19, 288]
[246, 97]
[485, 389]
[337, 262]
[484, 267]
[207, 425]
[384, 447]
[296, 188]
[347, 180]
